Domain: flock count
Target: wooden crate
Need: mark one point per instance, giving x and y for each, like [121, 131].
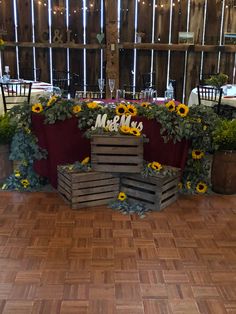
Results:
[156, 192]
[118, 153]
[86, 189]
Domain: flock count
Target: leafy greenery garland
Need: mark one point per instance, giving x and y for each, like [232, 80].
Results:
[178, 122]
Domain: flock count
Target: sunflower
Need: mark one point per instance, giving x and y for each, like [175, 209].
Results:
[182, 110]
[188, 185]
[122, 196]
[197, 154]
[125, 129]
[51, 101]
[201, 187]
[132, 110]
[170, 105]
[149, 165]
[156, 166]
[135, 131]
[121, 109]
[2, 43]
[92, 105]
[76, 108]
[17, 173]
[37, 108]
[180, 185]
[25, 183]
[85, 161]
[145, 104]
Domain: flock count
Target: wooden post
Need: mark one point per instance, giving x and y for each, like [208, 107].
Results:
[112, 49]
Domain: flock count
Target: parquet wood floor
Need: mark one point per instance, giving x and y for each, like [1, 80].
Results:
[97, 261]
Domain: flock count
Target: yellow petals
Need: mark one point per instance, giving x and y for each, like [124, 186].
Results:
[182, 110]
[121, 109]
[135, 131]
[92, 105]
[76, 108]
[125, 129]
[37, 108]
[122, 196]
[201, 187]
[170, 105]
[132, 110]
[85, 161]
[197, 154]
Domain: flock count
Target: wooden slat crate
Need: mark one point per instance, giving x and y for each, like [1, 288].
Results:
[156, 192]
[117, 153]
[86, 189]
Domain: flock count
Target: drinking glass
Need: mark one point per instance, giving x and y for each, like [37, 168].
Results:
[101, 83]
[111, 85]
[120, 94]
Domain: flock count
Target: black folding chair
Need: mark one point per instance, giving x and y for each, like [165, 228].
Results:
[15, 94]
[211, 94]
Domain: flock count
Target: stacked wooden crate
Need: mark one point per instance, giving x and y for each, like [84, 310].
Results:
[117, 162]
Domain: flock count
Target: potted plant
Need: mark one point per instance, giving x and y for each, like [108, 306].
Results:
[7, 130]
[223, 174]
[217, 80]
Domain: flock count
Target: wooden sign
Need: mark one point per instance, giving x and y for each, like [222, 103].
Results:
[116, 123]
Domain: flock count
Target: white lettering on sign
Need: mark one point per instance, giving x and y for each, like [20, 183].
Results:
[118, 121]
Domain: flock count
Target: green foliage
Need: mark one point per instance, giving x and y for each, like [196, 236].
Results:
[224, 135]
[60, 110]
[24, 147]
[77, 166]
[7, 129]
[148, 171]
[23, 179]
[217, 80]
[126, 207]
[194, 124]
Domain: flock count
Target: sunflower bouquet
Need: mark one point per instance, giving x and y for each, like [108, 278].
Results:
[80, 166]
[125, 206]
[154, 168]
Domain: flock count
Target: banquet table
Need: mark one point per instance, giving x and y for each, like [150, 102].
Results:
[38, 88]
[65, 143]
[229, 99]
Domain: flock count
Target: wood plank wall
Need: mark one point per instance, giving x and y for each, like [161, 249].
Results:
[160, 20]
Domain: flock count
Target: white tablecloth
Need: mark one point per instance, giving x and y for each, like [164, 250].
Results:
[38, 88]
[229, 99]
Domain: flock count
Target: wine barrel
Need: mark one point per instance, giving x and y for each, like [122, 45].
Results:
[223, 172]
[6, 165]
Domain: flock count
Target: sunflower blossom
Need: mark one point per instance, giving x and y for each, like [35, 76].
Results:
[135, 131]
[170, 105]
[51, 101]
[76, 108]
[132, 110]
[145, 104]
[25, 183]
[201, 187]
[182, 110]
[156, 166]
[85, 161]
[37, 108]
[197, 154]
[125, 129]
[122, 196]
[92, 105]
[121, 109]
